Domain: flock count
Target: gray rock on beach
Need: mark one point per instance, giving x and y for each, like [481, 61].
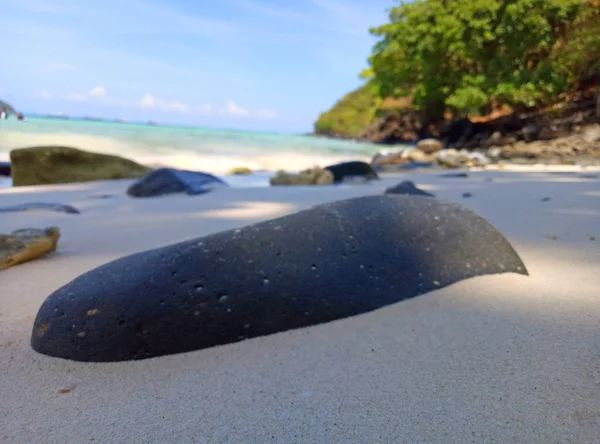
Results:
[311, 176]
[170, 180]
[27, 244]
[330, 262]
[5, 169]
[47, 206]
[407, 188]
[46, 165]
[430, 146]
[348, 171]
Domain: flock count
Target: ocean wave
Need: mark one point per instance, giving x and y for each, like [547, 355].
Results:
[215, 152]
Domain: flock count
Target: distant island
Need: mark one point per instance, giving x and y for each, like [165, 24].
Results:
[466, 72]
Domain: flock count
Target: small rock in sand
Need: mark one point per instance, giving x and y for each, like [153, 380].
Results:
[454, 175]
[467, 195]
[430, 146]
[407, 188]
[26, 244]
[240, 171]
[546, 199]
[49, 206]
[102, 196]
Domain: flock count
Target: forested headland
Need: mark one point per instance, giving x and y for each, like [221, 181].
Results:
[465, 69]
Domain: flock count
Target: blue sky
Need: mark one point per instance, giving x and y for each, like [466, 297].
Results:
[248, 64]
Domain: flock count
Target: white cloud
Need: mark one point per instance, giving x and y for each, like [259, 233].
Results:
[98, 91]
[44, 95]
[149, 101]
[233, 109]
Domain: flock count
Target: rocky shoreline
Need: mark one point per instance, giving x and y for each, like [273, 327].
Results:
[578, 148]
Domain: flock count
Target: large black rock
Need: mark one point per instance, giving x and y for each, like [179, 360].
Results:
[346, 170]
[5, 169]
[329, 262]
[170, 180]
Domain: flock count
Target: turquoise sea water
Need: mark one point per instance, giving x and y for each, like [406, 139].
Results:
[211, 150]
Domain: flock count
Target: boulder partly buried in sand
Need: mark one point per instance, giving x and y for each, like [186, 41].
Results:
[170, 180]
[46, 165]
[332, 261]
[311, 176]
[407, 188]
[27, 244]
[348, 170]
[240, 171]
[5, 169]
[40, 206]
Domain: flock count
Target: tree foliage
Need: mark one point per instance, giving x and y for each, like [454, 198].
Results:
[351, 114]
[468, 55]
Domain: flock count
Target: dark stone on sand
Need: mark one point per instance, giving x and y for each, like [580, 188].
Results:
[589, 176]
[454, 175]
[467, 195]
[170, 180]
[407, 188]
[345, 170]
[102, 196]
[399, 167]
[545, 199]
[415, 165]
[49, 206]
[329, 262]
[5, 169]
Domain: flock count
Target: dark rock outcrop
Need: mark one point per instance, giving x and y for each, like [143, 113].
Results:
[332, 261]
[170, 180]
[407, 188]
[56, 164]
[342, 171]
[48, 206]
[5, 169]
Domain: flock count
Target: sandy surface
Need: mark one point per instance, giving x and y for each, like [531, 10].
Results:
[503, 358]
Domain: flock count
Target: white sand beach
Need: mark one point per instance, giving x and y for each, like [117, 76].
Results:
[504, 358]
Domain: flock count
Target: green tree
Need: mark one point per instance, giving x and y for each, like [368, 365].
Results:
[467, 55]
[351, 114]
[578, 55]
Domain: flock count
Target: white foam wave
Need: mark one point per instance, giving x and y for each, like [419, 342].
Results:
[155, 155]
